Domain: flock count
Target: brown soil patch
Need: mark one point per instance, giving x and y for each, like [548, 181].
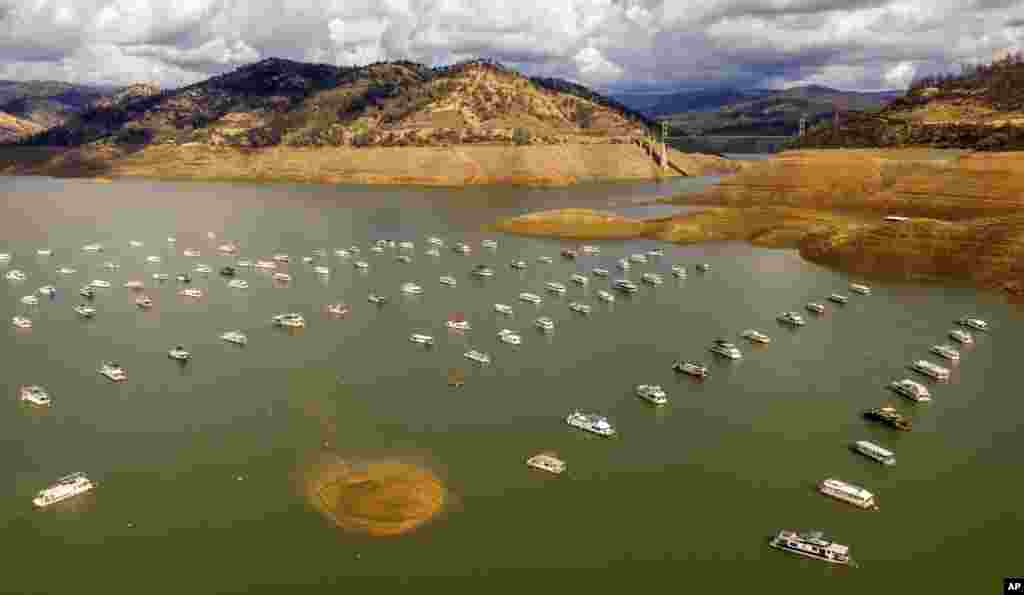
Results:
[379, 499]
[458, 165]
[964, 208]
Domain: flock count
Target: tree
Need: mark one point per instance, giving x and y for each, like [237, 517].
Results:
[521, 136]
[584, 115]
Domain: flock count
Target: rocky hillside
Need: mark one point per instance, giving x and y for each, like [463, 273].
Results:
[280, 102]
[12, 128]
[45, 104]
[982, 109]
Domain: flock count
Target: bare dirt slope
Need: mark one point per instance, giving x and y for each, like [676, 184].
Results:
[448, 166]
[965, 211]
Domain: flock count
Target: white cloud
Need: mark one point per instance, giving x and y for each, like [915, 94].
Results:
[593, 67]
[900, 75]
[855, 43]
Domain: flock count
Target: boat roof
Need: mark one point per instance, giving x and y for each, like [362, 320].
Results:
[847, 488]
[875, 448]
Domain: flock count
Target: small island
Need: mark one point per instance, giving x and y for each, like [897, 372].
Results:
[380, 499]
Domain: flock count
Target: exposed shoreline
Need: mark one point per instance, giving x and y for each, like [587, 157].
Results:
[456, 165]
[966, 222]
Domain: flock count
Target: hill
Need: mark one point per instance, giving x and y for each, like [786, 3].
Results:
[275, 102]
[982, 108]
[473, 122]
[728, 111]
[12, 128]
[47, 103]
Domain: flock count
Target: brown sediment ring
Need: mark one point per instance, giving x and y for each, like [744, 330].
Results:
[385, 499]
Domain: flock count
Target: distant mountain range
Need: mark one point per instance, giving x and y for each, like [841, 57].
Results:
[729, 111]
[980, 108]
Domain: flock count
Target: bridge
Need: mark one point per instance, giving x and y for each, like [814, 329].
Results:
[728, 143]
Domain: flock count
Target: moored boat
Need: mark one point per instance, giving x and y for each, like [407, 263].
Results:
[915, 391]
[596, 424]
[236, 337]
[847, 492]
[503, 309]
[974, 323]
[113, 371]
[605, 296]
[580, 308]
[890, 417]
[458, 322]
[546, 462]
[838, 298]
[726, 349]
[946, 351]
[961, 336]
[508, 336]
[410, 288]
[21, 322]
[544, 323]
[530, 297]
[812, 545]
[692, 368]
[66, 487]
[478, 356]
[815, 307]
[179, 353]
[625, 286]
[599, 272]
[338, 309]
[652, 393]
[85, 311]
[291, 319]
[860, 288]
[35, 395]
[421, 339]
[874, 452]
[791, 318]
[931, 370]
[756, 336]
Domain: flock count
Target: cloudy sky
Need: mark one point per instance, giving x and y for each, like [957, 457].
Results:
[608, 44]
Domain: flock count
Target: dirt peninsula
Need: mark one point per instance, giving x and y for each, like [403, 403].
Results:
[964, 217]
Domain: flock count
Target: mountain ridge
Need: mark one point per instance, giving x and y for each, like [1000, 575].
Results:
[277, 101]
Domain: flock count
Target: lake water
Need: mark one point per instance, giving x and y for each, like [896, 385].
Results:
[684, 498]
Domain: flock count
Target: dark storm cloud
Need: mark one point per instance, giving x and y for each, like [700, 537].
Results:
[752, 8]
